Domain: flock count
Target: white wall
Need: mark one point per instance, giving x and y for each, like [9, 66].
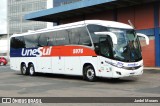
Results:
[3, 46]
[49, 5]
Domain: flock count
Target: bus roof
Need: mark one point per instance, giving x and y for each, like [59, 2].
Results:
[112, 24]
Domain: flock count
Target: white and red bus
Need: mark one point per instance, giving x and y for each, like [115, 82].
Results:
[91, 48]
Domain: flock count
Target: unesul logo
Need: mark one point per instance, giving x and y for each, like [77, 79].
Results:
[42, 51]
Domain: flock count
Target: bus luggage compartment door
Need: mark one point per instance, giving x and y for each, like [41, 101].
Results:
[58, 62]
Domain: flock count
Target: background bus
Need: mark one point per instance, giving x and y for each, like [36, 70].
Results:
[92, 48]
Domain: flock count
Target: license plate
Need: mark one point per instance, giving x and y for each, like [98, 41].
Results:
[132, 73]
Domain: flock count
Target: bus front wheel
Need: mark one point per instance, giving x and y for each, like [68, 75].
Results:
[89, 73]
[31, 70]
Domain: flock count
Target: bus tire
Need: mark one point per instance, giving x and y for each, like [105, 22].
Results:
[31, 70]
[24, 70]
[89, 73]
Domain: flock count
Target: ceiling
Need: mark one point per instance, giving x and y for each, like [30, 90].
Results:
[80, 9]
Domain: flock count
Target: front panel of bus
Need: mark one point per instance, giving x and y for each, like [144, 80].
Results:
[117, 60]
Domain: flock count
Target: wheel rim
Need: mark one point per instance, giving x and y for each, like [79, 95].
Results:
[31, 70]
[24, 69]
[90, 74]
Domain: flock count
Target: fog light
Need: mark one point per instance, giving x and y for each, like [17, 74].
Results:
[119, 73]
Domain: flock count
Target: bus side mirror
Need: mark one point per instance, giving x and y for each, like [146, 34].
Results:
[112, 35]
[144, 36]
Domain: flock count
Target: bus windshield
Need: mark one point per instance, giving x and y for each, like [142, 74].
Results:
[128, 47]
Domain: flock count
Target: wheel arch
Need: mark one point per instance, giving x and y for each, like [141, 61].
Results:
[30, 63]
[23, 63]
[87, 64]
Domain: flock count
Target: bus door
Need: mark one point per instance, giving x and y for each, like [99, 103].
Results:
[105, 50]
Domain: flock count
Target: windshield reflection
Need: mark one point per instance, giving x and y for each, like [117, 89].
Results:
[128, 48]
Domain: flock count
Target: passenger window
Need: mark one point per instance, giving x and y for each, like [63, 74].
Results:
[51, 38]
[31, 41]
[96, 28]
[42, 39]
[79, 36]
[74, 36]
[47, 39]
[84, 37]
[18, 42]
[62, 38]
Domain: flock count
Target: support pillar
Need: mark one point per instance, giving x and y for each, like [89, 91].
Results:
[156, 33]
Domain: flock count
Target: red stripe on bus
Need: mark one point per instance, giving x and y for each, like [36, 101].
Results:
[71, 51]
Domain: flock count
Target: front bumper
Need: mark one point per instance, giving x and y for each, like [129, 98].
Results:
[120, 72]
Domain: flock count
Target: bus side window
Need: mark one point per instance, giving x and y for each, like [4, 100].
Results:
[74, 36]
[18, 42]
[84, 37]
[62, 38]
[42, 40]
[51, 38]
[95, 38]
[31, 41]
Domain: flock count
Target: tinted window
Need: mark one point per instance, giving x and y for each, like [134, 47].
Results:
[31, 41]
[96, 28]
[74, 36]
[84, 37]
[17, 42]
[51, 38]
[43, 39]
[47, 39]
[78, 36]
[62, 38]
[106, 47]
